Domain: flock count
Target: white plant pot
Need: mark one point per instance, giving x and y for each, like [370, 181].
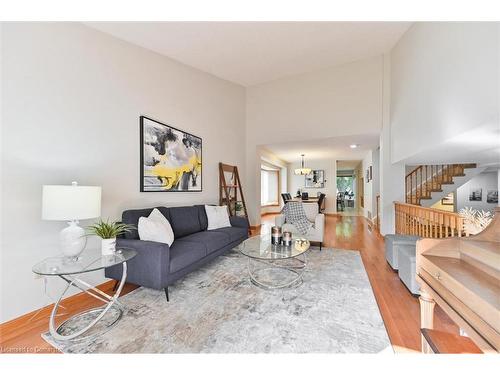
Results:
[108, 246]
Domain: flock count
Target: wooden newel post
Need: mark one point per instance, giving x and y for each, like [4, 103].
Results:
[426, 317]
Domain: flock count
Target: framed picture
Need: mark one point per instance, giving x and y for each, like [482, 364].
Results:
[476, 194]
[448, 200]
[171, 159]
[315, 179]
[492, 196]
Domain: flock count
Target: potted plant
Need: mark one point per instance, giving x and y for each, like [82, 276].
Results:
[238, 208]
[475, 221]
[108, 231]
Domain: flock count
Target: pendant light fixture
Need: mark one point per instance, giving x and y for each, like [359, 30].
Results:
[302, 170]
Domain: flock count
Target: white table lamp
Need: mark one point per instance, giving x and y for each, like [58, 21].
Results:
[71, 203]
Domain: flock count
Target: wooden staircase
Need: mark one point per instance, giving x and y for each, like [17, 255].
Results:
[425, 179]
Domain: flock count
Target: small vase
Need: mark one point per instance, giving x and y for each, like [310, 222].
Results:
[108, 246]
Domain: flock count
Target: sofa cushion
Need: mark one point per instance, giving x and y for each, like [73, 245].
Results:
[184, 220]
[211, 240]
[132, 217]
[234, 233]
[183, 253]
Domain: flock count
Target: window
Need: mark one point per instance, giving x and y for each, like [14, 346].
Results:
[345, 184]
[269, 185]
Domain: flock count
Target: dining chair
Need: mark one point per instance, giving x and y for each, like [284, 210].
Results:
[286, 197]
[321, 199]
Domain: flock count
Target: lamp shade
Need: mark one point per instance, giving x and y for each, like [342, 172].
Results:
[71, 202]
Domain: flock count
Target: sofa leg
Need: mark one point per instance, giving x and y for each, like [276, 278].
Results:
[320, 245]
[116, 285]
[166, 294]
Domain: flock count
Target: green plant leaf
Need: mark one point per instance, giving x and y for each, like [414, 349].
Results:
[107, 229]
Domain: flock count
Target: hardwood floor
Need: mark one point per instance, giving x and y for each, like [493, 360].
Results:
[400, 310]
[23, 334]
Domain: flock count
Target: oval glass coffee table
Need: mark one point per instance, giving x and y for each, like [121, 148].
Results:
[275, 266]
[93, 322]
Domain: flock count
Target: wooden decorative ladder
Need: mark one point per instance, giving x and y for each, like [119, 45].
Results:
[425, 179]
[230, 190]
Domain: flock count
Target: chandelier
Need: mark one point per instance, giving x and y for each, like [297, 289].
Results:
[302, 170]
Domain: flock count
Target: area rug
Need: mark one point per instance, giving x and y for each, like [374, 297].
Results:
[218, 310]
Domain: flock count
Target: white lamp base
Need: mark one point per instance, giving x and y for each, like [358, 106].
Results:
[72, 240]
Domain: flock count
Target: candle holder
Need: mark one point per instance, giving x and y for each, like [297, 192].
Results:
[275, 235]
[287, 239]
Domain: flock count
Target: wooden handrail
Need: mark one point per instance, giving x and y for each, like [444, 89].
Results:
[426, 222]
[413, 171]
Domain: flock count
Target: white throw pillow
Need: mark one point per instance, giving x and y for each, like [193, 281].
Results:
[217, 217]
[155, 228]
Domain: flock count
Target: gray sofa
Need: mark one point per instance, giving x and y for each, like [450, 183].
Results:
[158, 265]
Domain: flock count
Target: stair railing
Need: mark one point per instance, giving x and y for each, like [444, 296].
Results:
[426, 222]
[425, 179]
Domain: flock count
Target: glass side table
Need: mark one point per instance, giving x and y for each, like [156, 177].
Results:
[80, 325]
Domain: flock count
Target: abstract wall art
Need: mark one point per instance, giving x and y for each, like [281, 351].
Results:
[315, 179]
[171, 159]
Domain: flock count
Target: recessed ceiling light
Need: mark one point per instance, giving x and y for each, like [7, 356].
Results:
[354, 146]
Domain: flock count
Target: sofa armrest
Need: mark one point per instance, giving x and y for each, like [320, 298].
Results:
[238, 221]
[319, 225]
[148, 268]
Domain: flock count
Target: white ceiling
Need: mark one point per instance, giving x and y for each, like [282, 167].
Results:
[480, 145]
[328, 148]
[249, 53]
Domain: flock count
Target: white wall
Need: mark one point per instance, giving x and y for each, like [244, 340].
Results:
[344, 100]
[444, 82]
[71, 99]
[296, 182]
[368, 210]
[486, 181]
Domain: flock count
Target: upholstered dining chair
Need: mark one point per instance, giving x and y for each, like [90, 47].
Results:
[321, 199]
[286, 197]
[317, 231]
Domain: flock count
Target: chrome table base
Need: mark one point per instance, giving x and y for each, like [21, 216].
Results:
[284, 273]
[110, 302]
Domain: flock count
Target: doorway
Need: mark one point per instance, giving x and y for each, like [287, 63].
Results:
[349, 187]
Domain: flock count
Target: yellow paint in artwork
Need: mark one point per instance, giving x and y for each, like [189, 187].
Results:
[173, 175]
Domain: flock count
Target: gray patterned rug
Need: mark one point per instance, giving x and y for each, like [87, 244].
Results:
[218, 310]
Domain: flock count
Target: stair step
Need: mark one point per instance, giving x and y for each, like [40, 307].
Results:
[470, 165]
